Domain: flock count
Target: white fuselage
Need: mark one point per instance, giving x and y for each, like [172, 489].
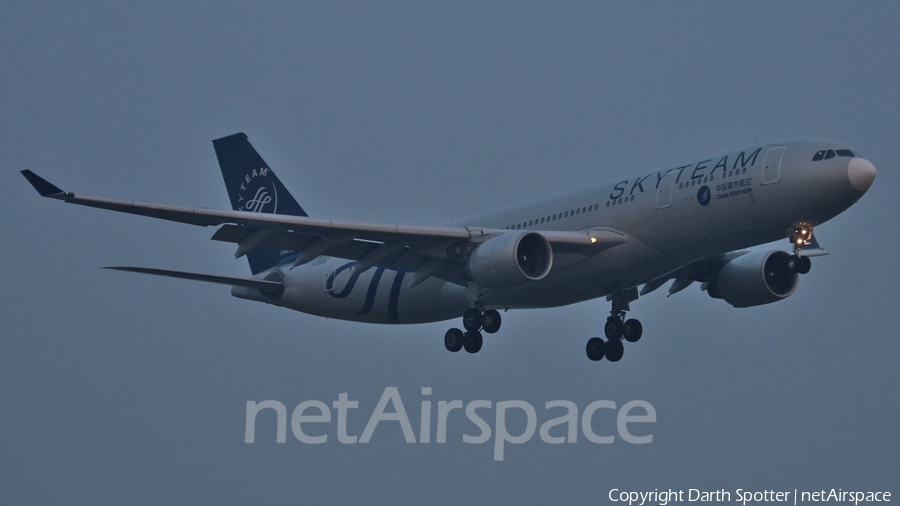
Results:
[671, 217]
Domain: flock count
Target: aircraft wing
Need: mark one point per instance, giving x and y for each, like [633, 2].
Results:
[402, 246]
[702, 270]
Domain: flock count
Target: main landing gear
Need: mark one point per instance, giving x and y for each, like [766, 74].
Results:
[475, 319]
[616, 329]
[799, 238]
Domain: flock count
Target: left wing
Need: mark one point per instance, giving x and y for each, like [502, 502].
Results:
[407, 247]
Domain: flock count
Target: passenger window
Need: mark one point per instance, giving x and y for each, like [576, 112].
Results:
[829, 154]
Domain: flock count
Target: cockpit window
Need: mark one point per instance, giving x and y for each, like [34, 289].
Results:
[827, 154]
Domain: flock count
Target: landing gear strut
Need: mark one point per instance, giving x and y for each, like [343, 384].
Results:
[475, 319]
[616, 329]
[800, 237]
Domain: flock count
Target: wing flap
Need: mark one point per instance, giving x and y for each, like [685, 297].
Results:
[278, 239]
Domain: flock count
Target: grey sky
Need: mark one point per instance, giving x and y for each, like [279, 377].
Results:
[118, 388]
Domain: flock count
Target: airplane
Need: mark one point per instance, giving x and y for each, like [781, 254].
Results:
[687, 222]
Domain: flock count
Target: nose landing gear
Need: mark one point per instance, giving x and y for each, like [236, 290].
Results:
[474, 321]
[800, 237]
[616, 329]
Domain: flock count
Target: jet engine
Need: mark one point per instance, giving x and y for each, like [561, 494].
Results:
[510, 260]
[757, 278]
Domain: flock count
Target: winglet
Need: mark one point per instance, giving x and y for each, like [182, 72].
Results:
[44, 187]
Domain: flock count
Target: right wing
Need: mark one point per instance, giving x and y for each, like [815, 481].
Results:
[703, 270]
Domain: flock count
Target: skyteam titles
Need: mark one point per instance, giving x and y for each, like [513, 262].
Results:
[315, 422]
[689, 172]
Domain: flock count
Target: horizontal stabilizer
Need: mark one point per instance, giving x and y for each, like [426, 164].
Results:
[258, 284]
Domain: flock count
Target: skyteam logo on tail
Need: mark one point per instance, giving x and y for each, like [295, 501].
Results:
[259, 201]
[261, 193]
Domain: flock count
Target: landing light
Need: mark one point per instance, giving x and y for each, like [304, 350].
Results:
[593, 240]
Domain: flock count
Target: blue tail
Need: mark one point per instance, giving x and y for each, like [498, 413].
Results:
[253, 187]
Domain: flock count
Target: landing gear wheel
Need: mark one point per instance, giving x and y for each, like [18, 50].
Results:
[453, 340]
[632, 330]
[805, 265]
[596, 348]
[613, 328]
[472, 319]
[614, 350]
[491, 321]
[473, 341]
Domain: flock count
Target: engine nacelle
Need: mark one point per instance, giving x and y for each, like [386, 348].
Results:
[757, 278]
[510, 260]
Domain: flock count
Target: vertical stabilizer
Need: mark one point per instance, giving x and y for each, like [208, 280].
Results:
[253, 187]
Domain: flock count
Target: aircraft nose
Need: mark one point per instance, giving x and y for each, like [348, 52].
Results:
[861, 173]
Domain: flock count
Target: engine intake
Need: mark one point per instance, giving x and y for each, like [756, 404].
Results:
[757, 278]
[510, 260]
